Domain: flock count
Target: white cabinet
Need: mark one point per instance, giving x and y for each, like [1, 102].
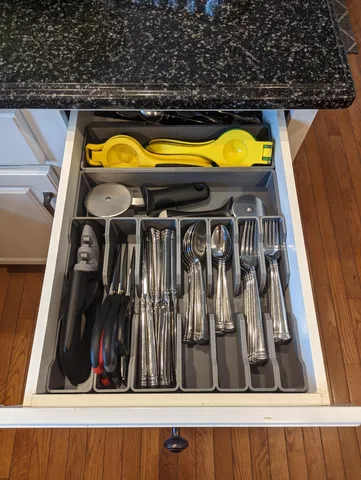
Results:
[32, 137]
[32, 146]
[177, 409]
[25, 223]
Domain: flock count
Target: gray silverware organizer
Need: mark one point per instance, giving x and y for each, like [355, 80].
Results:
[222, 365]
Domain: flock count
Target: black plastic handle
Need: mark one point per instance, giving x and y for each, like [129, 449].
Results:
[109, 335]
[97, 333]
[121, 345]
[174, 196]
[224, 211]
[75, 341]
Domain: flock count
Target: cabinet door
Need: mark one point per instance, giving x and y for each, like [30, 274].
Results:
[25, 226]
[19, 145]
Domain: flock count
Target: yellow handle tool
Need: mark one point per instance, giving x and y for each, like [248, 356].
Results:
[235, 148]
[122, 151]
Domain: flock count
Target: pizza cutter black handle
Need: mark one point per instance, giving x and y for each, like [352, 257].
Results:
[174, 196]
[223, 211]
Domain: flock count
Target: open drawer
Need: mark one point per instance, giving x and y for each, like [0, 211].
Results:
[182, 407]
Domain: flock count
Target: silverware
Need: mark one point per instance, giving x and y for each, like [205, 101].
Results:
[257, 352]
[194, 249]
[272, 250]
[148, 368]
[157, 332]
[221, 247]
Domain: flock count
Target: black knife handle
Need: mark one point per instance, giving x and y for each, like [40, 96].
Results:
[122, 317]
[224, 211]
[109, 335]
[174, 196]
[97, 334]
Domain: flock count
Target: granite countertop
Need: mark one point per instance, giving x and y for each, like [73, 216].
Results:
[182, 54]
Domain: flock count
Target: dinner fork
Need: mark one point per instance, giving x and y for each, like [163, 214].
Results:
[257, 352]
[273, 251]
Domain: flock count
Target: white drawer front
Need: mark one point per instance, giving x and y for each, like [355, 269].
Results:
[213, 409]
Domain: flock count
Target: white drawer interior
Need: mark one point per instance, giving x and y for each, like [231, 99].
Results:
[277, 189]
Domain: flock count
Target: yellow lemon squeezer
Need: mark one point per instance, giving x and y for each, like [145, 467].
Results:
[234, 148]
[122, 151]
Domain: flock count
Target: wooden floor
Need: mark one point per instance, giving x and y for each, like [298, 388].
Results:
[328, 176]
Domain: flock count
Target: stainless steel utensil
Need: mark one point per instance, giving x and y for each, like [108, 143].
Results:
[194, 249]
[257, 352]
[222, 249]
[148, 368]
[273, 250]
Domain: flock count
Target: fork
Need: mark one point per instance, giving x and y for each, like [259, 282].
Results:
[273, 251]
[257, 352]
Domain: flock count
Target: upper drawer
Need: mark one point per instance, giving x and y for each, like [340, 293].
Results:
[237, 408]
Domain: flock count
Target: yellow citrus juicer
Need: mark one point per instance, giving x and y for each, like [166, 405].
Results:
[122, 151]
[234, 148]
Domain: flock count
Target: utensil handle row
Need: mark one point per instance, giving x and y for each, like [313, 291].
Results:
[281, 332]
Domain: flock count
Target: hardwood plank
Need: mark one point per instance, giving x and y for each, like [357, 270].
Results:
[332, 454]
[241, 450]
[331, 119]
[8, 327]
[31, 295]
[331, 340]
[353, 373]
[337, 285]
[341, 233]
[349, 202]
[260, 454]
[4, 283]
[132, 438]
[350, 452]
[21, 454]
[39, 454]
[351, 151]
[278, 454]
[355, 308]
[58, 452]
[113, 462]
[187, 459]
[311, 227]
[223, 458]
[314, 454]
[75, 461]
[168, 462]
[204, 454]
[150, 452]
[7, 440]
[95, 453]
[297, 466]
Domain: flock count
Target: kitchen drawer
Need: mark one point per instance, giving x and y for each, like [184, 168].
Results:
[188, 409]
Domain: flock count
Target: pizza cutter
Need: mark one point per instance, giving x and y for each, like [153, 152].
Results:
[113, 199]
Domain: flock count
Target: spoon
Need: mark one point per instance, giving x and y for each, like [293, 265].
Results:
[194, 250]
[221, 248]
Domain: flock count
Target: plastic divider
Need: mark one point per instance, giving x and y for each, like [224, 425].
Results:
[199, 363]
[266, 378]
[232, 363]
[292, 369]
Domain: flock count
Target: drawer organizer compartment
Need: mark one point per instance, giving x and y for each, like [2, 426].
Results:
[100, 132]
[223, 363]
[223, 366]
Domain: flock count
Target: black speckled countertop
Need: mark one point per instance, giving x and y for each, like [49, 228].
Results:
[117, 54]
